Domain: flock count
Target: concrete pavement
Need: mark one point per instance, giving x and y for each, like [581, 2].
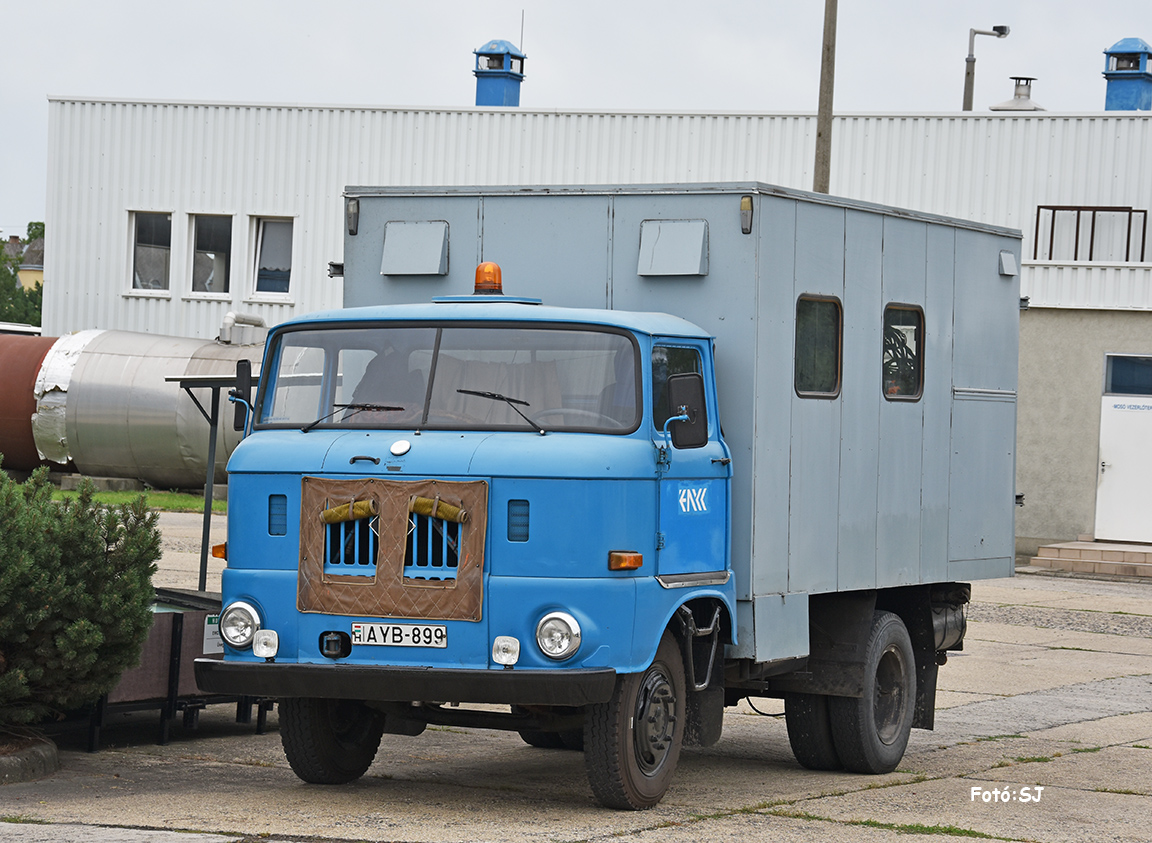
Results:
[1044, 733]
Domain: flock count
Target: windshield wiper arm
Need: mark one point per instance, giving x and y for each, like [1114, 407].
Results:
[355, 408]
[511, 402]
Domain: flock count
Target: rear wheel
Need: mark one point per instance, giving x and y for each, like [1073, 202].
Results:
[810, 731]
[871, 733]
[329, 741]
[632, 742]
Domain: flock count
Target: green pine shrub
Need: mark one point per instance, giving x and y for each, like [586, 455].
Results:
[75, 596]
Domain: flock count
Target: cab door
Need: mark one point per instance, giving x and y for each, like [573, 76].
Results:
[693, 466]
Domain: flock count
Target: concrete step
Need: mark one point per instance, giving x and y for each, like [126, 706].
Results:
[1092, 557]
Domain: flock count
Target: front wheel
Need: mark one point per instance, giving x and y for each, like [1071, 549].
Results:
[329, 741]
[632, 742]
[871, 733]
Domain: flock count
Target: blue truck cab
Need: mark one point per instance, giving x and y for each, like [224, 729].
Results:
[756, 443]
[482, 499]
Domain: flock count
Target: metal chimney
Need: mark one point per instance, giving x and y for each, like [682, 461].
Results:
[1022, 101]
[1128, 69]
[499, 71]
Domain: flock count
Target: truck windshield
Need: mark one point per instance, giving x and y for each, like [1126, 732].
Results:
[547, 378]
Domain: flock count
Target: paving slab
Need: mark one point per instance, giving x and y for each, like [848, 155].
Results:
[1061, 815]
[16, 832]
[1124, 770]
[1010, 669]
[1061, 639]
[1036, 680]
[1107, 731]
[179, 565]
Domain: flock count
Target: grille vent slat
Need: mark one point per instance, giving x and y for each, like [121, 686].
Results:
[433, 550]
[350, 547]
[277, 515]
[517, 521]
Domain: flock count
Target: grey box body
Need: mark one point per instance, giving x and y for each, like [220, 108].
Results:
[842, 494]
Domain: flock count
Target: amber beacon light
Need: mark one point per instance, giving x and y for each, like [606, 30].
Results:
[488, 280]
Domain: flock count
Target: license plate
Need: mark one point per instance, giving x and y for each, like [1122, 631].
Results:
[400, 634]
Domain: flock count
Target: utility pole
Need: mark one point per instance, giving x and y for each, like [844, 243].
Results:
[823, 164]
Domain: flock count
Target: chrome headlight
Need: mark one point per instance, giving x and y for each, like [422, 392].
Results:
[238, 624]
[558, 635]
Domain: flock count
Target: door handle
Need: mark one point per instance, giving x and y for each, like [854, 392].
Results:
[373, 460]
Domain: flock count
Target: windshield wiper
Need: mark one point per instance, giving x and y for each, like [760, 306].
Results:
[355, 408]
[511, 402]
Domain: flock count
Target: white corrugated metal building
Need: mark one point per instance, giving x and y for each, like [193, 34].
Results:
[165, 216]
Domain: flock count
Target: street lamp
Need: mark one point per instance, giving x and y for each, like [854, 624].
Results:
[970, 62]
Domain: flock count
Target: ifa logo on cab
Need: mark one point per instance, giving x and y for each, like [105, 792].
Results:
[692, 500]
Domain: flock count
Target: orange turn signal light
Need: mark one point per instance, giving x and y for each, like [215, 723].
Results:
[488, 280]
[624, 560]
[220, 551]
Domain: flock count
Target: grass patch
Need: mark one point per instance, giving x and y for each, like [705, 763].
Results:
[167, 501]
[22, 819]
[1141, 746]
[1032, 759]
[899, 828]
[1089, 749]
[1123, 792]
[998, 738]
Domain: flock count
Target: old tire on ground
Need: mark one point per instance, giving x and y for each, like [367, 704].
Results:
[810, 731]
[632, 742]
[871, 733]
[329, 741]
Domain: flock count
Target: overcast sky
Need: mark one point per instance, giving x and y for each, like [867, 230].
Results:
[674, 55]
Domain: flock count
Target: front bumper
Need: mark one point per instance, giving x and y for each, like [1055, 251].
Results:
[404, 684]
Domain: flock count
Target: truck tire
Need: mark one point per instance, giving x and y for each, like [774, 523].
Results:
[871, 733]
[810, 731]
[632, 742]
[329, 741]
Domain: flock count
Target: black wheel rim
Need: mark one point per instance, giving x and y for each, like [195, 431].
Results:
[655, 720]
[349, 722]
[890, 701]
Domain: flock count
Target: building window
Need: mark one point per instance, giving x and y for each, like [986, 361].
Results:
[667, 361]
[151, 253]
[273, 255]
[903, 369]
[212, 235]
[1128, 375]
[818, 358]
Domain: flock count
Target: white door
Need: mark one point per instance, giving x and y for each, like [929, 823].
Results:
[1124, 473]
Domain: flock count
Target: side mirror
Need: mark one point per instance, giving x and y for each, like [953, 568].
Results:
[687, 390]
[242, 391]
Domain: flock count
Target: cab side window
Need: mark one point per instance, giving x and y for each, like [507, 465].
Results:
[668, 360]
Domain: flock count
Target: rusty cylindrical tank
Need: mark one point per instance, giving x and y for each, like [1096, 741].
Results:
[98, 401]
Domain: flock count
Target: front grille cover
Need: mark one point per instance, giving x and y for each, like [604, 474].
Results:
[387, 592]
